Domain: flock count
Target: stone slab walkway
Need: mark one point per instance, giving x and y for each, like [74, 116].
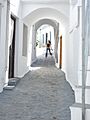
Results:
[42, 94]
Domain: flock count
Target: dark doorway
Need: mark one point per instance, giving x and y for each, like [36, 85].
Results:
[12, 47]
[60, 51]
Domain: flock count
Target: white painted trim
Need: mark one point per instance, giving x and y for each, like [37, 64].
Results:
[16, 47]
[44, 2]
[0, 20]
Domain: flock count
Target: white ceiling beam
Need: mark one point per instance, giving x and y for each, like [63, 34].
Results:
[45, 2]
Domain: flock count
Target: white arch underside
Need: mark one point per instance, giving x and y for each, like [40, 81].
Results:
[45, 13]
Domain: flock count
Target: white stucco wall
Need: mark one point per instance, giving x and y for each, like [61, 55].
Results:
[31, 53]
[45, 11]
[65, 48]
[73, 59]
[50, 23]
[33, 44]
[36, 12]
[21, 61]
[76, 36]
[0, 19]
[58, 12]
[89, 31]
[74, 45]
[20, 64]
[30, 14]
[3, 39]
[89, 40]
[28, 8]
[15, 7]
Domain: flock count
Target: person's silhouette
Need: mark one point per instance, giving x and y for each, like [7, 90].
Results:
[48, 45]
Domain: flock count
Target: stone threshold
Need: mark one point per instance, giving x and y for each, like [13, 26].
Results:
[12, 83]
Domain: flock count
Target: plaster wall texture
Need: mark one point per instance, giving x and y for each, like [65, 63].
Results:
[3, 46]
[15, 7]
[37, 13]
[30, 14]
[22, 60]
[28, 8]
[75, 47]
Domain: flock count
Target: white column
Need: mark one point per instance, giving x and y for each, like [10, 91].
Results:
[56, 36]
[3, 44]
[28, 49]
[1, 83]
[0, 19]
[55, 52]
[89, 28]
[83, 60]
[73, 2]
[33, 36]
[32, 44]
[7, 41]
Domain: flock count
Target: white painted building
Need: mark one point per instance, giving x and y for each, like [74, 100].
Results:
[19, 22]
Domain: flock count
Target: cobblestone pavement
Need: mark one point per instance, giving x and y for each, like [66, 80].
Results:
[42, 94]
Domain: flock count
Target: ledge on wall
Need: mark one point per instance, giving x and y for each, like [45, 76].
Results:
[76, 111]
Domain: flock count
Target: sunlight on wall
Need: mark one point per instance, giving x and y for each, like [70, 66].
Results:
[34, 68]
[15, 6]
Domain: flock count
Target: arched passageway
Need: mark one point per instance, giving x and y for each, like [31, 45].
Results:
[42, 31]
[43, 34]
[42, 94]
[27, 47]
[54, 18]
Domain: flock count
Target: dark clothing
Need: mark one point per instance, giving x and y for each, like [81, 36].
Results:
[48, 45]
[48, 48]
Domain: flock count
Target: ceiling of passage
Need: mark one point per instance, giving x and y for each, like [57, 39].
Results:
[45, 1]
[45, 13]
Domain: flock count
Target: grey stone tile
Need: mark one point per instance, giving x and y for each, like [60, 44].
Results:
[42, 94]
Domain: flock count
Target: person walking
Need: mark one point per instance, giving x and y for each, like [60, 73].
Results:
[48, 46]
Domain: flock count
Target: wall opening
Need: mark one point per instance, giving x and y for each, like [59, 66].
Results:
[44, 33]
[12, 47]
[61, 51]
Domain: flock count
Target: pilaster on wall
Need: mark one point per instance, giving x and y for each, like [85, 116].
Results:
[89, 29]
[75, 41]
[18, 48]
[75, 2]
[21, 61]
[7, 42]
[0, 19]
[3, 42]
[76, 109]
[56, 35]
[32, 44]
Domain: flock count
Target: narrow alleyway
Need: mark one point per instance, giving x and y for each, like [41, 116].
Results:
[42, 94]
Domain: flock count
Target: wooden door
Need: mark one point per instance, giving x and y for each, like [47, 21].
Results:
[60, 51]
[12, 47]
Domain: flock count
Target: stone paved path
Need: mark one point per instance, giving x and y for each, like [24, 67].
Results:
[42, 94]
